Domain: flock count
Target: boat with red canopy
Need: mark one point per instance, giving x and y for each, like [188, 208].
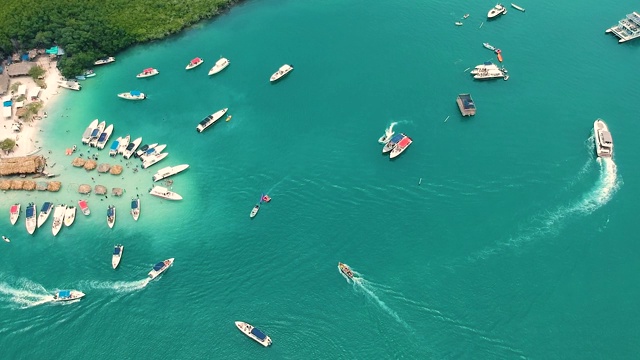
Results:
[193, 63]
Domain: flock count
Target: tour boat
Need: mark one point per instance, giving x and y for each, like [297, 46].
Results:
[58, 218]
[135, 208]
[148, 73]
[86, 136]
[113, 150]
[219, 66]
[496, 10]
[388, 133]
[345, 269]
[253, 333]
[123, 144]
[14, 213]
[392, 143]
[104, 137]
[69, 215]
[152, 159]
[117, 255]
[132, 95]
[67, 295]
[31, 218]
[517, 7]
[159, 268]
[164, 193]
[131, 148]
[169, 171]
[401, 146]
[193, 63]
[603, 139]
[254, 211]
[105, 61]
[84, 207]
[111, 216]
[45, 211]
[143, 149]
[284, 70]
[209, 120]
[95, 133]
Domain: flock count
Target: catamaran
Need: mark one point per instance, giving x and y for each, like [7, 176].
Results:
[32, 220]
[253, 333]
[164, 193]
[67, 295]
[58, 218]
[84, 207]
[117, 255]
[219, 66]
[86, 136]
[111, 216]
[45, 211]
[209, 120]
[282, 71]
[169, 171]
[14, 213]
[159, 268]
[131, 148]
[148, 72]
[135, 208]
[69, 215]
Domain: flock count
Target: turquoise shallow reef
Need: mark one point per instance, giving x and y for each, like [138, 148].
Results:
[498, 236]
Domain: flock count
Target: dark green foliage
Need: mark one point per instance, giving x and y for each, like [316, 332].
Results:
[36, 72]
[90, 29]
[7, 144]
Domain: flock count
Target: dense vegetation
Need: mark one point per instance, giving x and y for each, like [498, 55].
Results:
[91, 29]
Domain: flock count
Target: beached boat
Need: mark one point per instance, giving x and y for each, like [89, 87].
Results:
[68, 295]
[45, 211]
[141, 151]
[194, 63]
[113, 150]
[123, 143]
[132, 95]
[489, 46]
[517, 7]
[388, 133]
[95, 134]
[117, 255]
[603, 139]
[14, 213]
[104, 137]
[164, 193]
[58, 218]
[169, 171]
[69, 215]
[131, 148]
[71, 85]
[496, 11]
[31, 218]
[153, 159]
[392, 143]
[86, 136]
[219, 66]
[282, 71]
[346, 270]
[209, 120]
[152, 151]
[84, 207]
[401, 147]
[148, 73]
[254, 211]
[159, 268]
[106, 60]
[135, 208]
[254, 333]
[111, 216]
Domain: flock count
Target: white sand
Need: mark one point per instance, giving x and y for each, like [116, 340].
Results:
[27, 140]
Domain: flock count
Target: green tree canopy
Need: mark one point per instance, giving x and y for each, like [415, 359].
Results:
[7, 144]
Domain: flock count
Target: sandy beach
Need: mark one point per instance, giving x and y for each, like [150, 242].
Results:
[28, 139]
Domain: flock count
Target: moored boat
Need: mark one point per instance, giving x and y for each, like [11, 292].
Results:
[69, 215]
[499, 54]
[219, 66]
[148, 73]
[104, 137]
[96, 132]
[14, 213]
[117, 255]
[496, 11]
[159, 268]
[31, 218]
[84, 207]
[517, 7]
[106, 60]
[6, 239]
[254, 333]
[58, 218]
[131, 148]
[489, 46]
[152, 151]
[86, 136]
[194, 63]
[458, 23]
[123, 144]
[68, 295]
[144, 148]
[603, 139]
[71, 85]
[209, 120]
[346, 270]
[152, 159]
[132, 95]
[45, 211]
[164, 193]
[169, 171]
[135, 208]
[113, 150]
[392, 143]
[282, 71]
[111, 216]
[254, 211]
[401, 146]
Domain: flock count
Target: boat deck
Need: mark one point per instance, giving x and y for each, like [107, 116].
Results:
[466, 105]
[627, 28]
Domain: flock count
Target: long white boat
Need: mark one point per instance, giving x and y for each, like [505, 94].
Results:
[69, 215]
[627, 28]
[489, 70]
[194, 63]
[209, 120]
[131, 148]
[164, 193]
[68, 295]
[151, 160]
[104, 137]
[132, 95]
[95, 134]
[169, 171]
[402, 145]
[253, 333]
[111, 216]
[152, 151]
[106, 60]
[123, 143]
[45, 211]
[148, 73]
[603, 139]
[113, 150]
[219, 66]
[14, 213]
[58, 218]
[135, 208]
[282, 71]
[71, 85]
[117, 255]
[86, 136]
[496, 11]
[160, 267]
[31, 218]
[517, 7]
[145, 150]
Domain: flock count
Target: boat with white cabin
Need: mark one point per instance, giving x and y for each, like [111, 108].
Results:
[401, 146]
[68, 295]
[153, 159]
[627, 28]
[254, 211]
[58, 218]
[113, 150]
[131, 148]
[45, 211]
[14, 213]
[104, 137]
[111, 216]
[144, 148]
[148, 73]
[95, 134]
[123, 143]
[117, 255]
[86, 136]
[159, 268]
[209, 120]
[103, 61]
[282, 71]
[194, 63]
[135, 208]
[603, 139]
[164, 193]
[132, 95]
[84, 207]
[392, 143]
[496, 11]
[69, 215]
[31, 218]
[254, 333]
[169, 171]
[219, 66]
[152, 151]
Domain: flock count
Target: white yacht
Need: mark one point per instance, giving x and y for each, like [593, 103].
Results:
[68, 295]
[496, 11]
[132, 95]
[284, 70]
[164, 193]
[45, 211]
[604, 141]
[169, 171]
[152, 151]
[209, 120]
[14, 213]
[58, 218]
[148, 73]
[123, 143]
[253, 333]
[104, 137]
[219, 66]
[69, 215]
[86, 136]
[31, 218]
[135, 208]
[627, 28]
[152, 159]
[117, 255]
[111, 216]
[143, 149]
[489, 70]
[160, 267]
[391, 144]
[72, 85]
[95, 134]
[103, 61]
[131, 148]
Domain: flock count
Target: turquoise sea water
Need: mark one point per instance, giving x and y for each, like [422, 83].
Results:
[516, 244]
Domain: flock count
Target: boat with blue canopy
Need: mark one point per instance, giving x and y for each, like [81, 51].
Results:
[117, 255]
[132, 95]
[67, 295]
[392, 143]
[45, 211]
[159, 268]
[113, 150]
[209, 120]
[111, 216]
[254, 333]
[135, 208]
[31, 221]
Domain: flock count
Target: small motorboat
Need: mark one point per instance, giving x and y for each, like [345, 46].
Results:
[219, 66]
[111, 216]
[159, 268]
[32, 220]
[228, 118]
[132, 95]
[265, 198]
[84, 207]
[459, 23]
[117, 255]
[148, 73]
[45, 211]
[194, 63]
[14, 213]
[388, 133]
[282, 71]
[68, 295]
[346, 270]
[164, 193]
[253, 333]
[499, 54]
[135, 208]
[489, 46]
[69, 215]
[465, 16]
[254, 211]
[6, 239]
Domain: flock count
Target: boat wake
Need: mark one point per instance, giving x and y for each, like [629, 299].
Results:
[118, 286]
[24, 293]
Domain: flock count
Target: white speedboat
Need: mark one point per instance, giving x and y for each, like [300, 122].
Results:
[113, 150]
[71, 85]
[132, 95]
[219, 66]
[152, 151]
[111, 216]
[253, 333]
[103, 61]
[148, 73]
[489, 46]
[117, 255]
[209, 120]
[84, 207]
[6, 239]
[14, 213]
[143, 149]
[95, 134]
[402, 145]
[152, 159]
[346, 270]
[517, 7]
[603, 139]
[284, 70]
[254, 211]
[45, 211]
[104, 137]
[388, 133]
[164, 193]
[135, 208]
[86, 136]
[194, 63]
[69, 215]
[391, 144]
[159, 268]
[169, 171]
[58, 218]
[496, 11]
[123, 143]
[67, 295]
[31, 218]
[131, 148]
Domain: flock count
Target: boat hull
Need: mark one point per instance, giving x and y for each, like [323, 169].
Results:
[155, 273]
[164, 193]
[603, 139]
[251, 332]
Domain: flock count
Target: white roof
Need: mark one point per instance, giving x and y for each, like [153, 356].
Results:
[22, 90]
[19, 104]
[36, 91]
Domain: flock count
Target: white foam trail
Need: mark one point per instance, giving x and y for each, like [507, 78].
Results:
[118, 286]
[26, 294]
[363, 285]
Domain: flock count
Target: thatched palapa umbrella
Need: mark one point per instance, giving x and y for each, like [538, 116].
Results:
[29, 185]
[116, 170]
[54, 186]
[78, 162]
[103, 168]
[100, 190]
[5, 184]
[84, 189]
[16, 184]
[90, 165]
[22, 165]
